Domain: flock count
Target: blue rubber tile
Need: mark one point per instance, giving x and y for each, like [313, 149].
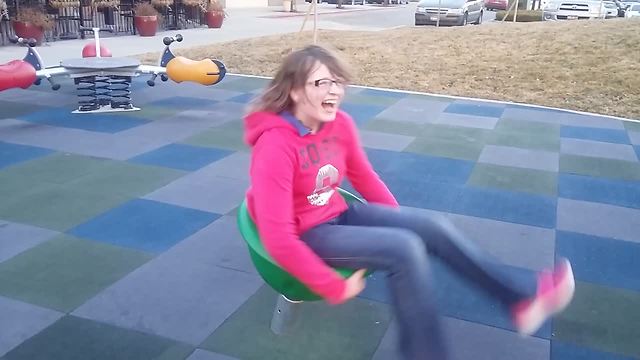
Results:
[459, 298]
[104, 123]
[520, 208]
[607, 191]
[361, 113]
[243, 98]
[434, 195]
[181, 156]
[183, 102]
[11, 154]
[586, 133]
[427, 168]
[604, 261]
[563, 351]
[145, 225]
[475, 109]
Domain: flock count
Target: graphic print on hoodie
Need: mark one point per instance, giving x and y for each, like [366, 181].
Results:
[294, 176]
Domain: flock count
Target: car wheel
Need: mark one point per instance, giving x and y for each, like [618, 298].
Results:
[479, 21]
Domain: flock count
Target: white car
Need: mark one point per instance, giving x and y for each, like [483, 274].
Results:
[612, 9]
[632, 11]
[574, 10]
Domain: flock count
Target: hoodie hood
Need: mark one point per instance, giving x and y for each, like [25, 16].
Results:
[255, 124]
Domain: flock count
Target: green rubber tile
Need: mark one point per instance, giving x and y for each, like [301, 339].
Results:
[394, 127]
[514, 179]
[631, 125]
[229, 135]
[57, 207]
[349, 331]
[600, 167]
[526, 135]
[126, 179]
[12, 109]
[152, 112]
[243, 84]
[63, 273]
[380, 100]
[602, 318]
[13, 187]
[73, 338]
[530, 127]
[424, 97]
[58, 168]
[449, 141]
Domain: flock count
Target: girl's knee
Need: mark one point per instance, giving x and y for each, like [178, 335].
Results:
[409, 246]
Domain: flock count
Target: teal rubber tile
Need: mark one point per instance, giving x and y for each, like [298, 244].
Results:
[603, 319]
[600, 167]
[58, 168]
[226, 136]
[350, 331]
[449, 141]
[73, 338]
[65, 272]
[514, 179]
[57, 207]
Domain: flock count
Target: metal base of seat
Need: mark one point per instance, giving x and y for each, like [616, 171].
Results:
[285, 315]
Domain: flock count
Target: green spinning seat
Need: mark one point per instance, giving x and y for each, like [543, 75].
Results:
[271, 272]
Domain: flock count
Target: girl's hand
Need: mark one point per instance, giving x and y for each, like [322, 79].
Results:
[355, 284]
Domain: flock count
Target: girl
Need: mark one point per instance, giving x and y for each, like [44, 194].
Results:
[302, 147]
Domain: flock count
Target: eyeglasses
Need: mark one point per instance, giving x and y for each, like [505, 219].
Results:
[325, 84]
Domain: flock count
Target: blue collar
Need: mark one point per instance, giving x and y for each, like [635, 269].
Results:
[302, 130]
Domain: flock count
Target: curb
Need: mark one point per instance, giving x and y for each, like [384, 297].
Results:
[283, 14]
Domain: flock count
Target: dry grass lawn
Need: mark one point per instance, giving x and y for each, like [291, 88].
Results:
[587, 65]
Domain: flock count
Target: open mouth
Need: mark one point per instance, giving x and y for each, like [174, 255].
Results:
[330, 105]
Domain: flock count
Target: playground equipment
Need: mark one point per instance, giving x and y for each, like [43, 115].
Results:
[103, 81]
[292, 292]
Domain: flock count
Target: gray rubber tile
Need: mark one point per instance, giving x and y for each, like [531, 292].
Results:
[524, 158]
[597, 149]
[599, 219]
[16, 238]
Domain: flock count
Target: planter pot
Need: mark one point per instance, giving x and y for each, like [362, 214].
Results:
[286, 4]
[214, 19]
[28, 30]
[146, 25]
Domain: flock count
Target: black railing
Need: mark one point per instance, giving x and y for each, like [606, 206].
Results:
[68, 20]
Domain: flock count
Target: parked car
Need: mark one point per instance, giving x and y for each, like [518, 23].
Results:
[574, 10]
[611, 8]
[496, 4]
[450, 12]
[632, 11]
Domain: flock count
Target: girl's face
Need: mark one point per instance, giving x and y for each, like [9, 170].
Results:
[318, 100]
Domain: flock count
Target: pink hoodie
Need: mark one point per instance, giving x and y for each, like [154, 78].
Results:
[294, 176]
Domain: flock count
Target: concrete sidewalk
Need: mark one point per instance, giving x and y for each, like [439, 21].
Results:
[239, 24]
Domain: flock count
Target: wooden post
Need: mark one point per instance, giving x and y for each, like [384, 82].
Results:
[315, 21]
[515, 13]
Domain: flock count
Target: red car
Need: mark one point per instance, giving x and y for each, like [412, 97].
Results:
[496, 4]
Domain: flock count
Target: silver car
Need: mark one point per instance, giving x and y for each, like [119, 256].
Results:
[574, 10]
[449, 12]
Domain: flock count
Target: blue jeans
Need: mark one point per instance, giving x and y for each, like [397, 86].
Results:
[398, 242]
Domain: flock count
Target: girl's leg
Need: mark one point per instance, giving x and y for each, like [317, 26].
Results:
[531, 301]
[402, 254]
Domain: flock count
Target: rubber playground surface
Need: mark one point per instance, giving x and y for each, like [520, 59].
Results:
[118, 237]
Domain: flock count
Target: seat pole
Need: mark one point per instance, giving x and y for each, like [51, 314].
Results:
[285, 315]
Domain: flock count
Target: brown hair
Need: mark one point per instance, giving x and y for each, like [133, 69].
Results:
[293, 74]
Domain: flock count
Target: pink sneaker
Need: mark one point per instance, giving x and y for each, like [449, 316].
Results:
[555, 291]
